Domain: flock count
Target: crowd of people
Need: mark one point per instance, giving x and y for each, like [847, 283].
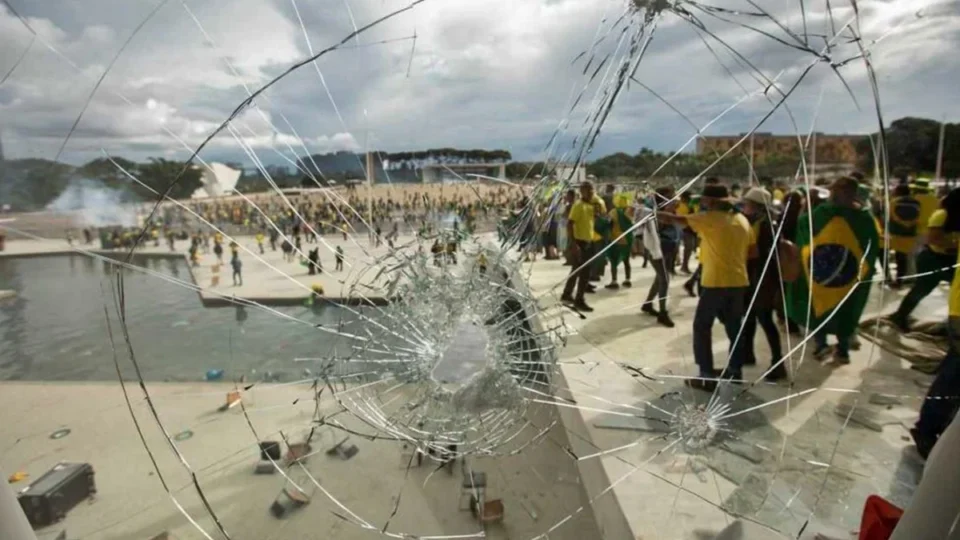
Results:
[808, 257]
[805, 257]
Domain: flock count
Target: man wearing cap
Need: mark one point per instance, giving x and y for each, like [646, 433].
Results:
[764, 292]
[725, 243]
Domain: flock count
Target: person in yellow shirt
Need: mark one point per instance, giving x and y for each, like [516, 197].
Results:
[601, 235]
[935, 263]
[929, 203]
[260, 241]
[939, 406]
[726, 241]
[581, 230]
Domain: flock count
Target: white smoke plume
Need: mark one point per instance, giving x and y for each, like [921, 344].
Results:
[95, 204]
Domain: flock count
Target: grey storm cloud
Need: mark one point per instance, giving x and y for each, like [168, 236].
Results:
[496, 74]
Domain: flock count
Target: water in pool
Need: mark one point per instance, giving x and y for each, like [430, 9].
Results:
[56, 329]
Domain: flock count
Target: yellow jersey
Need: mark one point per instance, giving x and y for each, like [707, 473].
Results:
[725, 240]
[937, 221]
[929, 203]
[582, 215]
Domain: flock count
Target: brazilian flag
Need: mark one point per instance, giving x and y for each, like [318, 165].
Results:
[620, 251]
[904, 223]
[843, 251]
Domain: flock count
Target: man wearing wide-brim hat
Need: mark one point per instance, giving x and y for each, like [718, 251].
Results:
[725, 242]
[763, 295]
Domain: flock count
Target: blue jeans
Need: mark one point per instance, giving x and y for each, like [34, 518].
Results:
[725, 304]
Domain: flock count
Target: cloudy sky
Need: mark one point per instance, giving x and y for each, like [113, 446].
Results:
[489, 74]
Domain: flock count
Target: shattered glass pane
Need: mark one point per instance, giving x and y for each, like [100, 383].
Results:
[319, 338]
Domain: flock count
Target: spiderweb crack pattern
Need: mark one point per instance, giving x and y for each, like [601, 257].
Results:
[394, 386]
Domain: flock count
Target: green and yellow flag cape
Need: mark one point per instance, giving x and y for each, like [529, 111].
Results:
[904, 223]
[843, 250]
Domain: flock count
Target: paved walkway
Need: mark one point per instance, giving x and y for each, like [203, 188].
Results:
[781, 463]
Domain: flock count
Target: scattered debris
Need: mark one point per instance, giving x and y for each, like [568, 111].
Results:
[18, 476]
[884, 399]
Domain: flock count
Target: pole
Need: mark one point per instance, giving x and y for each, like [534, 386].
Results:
[936, 176]
[750, 180]
[813, 156]
[370, 193]
[13, 523]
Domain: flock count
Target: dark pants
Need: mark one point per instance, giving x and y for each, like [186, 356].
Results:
[725, 304]
[598, 264]
[941, 402]
[626, 268]
[689, 246]
[695, 278]
[932, 268]
[903, 268]
[661, 283]
[579, 277]
[237, 278]
[763, 316]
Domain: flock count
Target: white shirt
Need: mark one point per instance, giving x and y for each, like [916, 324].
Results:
[648, 228]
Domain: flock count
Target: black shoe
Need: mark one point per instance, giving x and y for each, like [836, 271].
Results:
[750, 361]
[590, 290]
[648, 309]
[580, 305]
[924, 443]
[566, 299]
[664, 319]
[701, 384]
[778, 373]
[627, 284]
[900, 322]
[822, 353]
[612, 286]
[689, 288]
[842, 359]
[735, 377]
[594, 279]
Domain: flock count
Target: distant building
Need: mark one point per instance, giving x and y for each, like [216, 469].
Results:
[434, 173]
[574, 173]
[831, 150]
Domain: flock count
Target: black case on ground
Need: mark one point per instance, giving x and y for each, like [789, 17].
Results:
[50, 497]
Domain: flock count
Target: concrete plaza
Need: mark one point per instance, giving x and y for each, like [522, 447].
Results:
[811, 449]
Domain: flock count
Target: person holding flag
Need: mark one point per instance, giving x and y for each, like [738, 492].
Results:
[838, 262]
[621, 220]
[935, 263]
[904, 227]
